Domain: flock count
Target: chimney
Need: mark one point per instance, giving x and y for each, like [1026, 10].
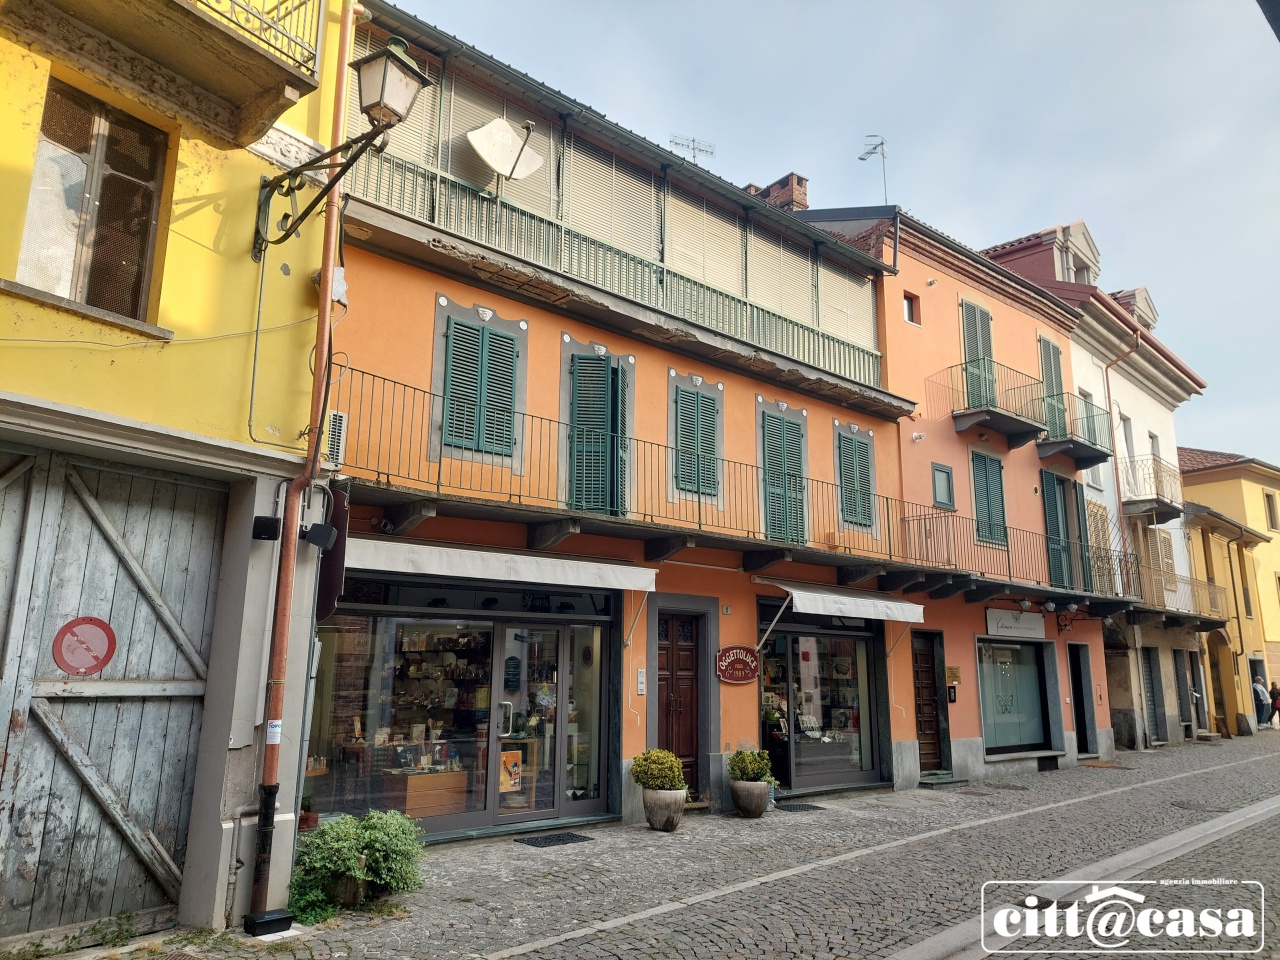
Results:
[789, 193]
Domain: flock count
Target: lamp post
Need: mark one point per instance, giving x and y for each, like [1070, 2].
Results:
[389, 82]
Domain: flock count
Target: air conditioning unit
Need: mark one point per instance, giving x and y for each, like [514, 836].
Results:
[335, 438]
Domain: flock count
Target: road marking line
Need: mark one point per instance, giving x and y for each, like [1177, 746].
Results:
[672, 905]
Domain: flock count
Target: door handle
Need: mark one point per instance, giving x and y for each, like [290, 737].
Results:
[509, 710]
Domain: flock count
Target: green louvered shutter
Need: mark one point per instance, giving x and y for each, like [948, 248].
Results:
[1054, 522]
[979, 369]
[589, 423]
[498, 392]
[988, 486]
[1055, 404]
[462, 366]
[795, 481]
[981, 501]
[686, 439]
[1086, 550]
[775, 487]
[855, 480]
[619, 441]
[708, 464]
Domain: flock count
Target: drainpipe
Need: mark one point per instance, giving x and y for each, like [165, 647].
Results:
[897, 218]
[269, 785]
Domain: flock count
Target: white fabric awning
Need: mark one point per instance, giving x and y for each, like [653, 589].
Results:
[392, 556]
[839, 602]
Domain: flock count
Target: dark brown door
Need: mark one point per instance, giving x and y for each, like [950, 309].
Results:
[678, 691]
[926, 681]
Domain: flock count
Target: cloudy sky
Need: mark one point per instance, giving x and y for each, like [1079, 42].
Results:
[1155, 121]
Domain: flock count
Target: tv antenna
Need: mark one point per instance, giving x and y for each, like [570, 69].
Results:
[878, 144]
[692, 148]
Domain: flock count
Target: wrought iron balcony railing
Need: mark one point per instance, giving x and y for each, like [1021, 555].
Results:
[394, 434]
[1146, 479]
[981, 392]
[435, 198]
[1071, 417]
[287, 28]
[1180, 594]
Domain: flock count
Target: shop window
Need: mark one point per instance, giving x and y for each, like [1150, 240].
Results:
[697, 469]
[479, 388]
[783, 478]
[1011, 679]
[95, 196]
[944, 487]
[988, 490]
[855, 480]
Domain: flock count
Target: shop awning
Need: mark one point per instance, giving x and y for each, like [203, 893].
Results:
[391, 556]
[840, 602]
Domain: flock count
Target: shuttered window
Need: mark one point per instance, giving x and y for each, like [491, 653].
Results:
[1055, 404]
[1160, 548]
[846, 303]
[976, 322]
[697, 469]
[598, 442]
[783, 479]
[988, 490]
[414, 137]
[1082, 526]
[764, 269]
[479, 388]
[855, 480]
[979, 371]
[610, 199]
[1058, 545]
[703, 242]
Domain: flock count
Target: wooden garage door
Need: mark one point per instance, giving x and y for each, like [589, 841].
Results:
[99, 754]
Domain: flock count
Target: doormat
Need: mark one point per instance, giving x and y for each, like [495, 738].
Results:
[1006, 786]
[553, 839]
[1108, 765]
[798, 807]
[1197, 807]
[974, 793]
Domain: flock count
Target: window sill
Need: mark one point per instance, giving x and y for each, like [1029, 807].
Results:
[83, 310]
[1023, 755]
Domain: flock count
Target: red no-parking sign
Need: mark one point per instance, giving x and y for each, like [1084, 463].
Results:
[84, 646]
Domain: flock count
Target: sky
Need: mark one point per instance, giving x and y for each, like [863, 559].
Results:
[1157, 122]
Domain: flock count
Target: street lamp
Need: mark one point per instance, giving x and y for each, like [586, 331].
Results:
[388, 82]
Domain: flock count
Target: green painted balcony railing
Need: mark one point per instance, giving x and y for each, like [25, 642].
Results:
[429, 196]
[983, 384]
[393, 435]
[289, 28]
[1071, 417]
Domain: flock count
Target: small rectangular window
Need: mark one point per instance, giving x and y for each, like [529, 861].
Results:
[1273, 518]
[95, 198]
[944, 490]
[911, 308]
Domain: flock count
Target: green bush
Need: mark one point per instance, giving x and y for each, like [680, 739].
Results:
[658, 770]
[382, 848]
[752, 766]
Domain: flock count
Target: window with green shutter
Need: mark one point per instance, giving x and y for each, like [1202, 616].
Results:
[979, 368]
[1055, 403]
[1053, 491]
[479, 388]
[988, 492]
[855, 480]
[697, 469]
[783, 479]
[598, 441]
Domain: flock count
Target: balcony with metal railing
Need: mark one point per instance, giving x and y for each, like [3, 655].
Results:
[437, 199]
[1180, 599]
[1150, 486]
[247, 61]
[1078, 428]
[534, 470]
[984, 393]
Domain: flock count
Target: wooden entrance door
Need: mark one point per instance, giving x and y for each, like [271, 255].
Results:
[678, 692]
[100, 754]
[928, 728]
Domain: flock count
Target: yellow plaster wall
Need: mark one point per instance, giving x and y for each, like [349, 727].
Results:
[205, 290]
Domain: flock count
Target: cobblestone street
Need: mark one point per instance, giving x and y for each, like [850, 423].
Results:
[867, 875]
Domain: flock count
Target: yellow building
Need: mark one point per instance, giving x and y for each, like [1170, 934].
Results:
[154, 394]
[1232, 519]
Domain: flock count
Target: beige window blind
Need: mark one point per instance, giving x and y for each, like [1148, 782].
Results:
[846, 304]
[610, 199]
[764, 269]
[797, 282]
[703, 241]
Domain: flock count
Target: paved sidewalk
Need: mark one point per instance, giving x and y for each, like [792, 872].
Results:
[869, 874]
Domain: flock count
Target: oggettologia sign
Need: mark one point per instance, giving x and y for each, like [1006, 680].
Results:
[737, 664]
[1206, 916]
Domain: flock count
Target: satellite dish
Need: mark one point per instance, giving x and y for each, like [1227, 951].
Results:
[503, 148]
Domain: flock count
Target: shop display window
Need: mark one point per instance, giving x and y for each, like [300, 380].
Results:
[1012, 684]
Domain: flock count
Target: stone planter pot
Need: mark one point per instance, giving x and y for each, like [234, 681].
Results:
[347, 892]
[749, 798]
[664, 808]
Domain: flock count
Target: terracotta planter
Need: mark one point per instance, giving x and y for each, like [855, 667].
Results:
[749, 798]
[664, 808]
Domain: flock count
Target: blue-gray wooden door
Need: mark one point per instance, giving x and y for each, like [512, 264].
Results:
[98, 770]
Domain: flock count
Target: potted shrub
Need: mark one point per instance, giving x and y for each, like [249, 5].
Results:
[659, 774]
[750, 780]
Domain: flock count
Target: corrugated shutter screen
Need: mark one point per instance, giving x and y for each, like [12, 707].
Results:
[703, 242]
[612, 200]
[724, 242]
[764, 269]
[414, 138]
[846, 305]
[467, 109]
[797, 283]
[534, 192]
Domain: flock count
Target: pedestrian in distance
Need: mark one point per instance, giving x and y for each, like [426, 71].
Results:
[1275, 703]
[1262, 700]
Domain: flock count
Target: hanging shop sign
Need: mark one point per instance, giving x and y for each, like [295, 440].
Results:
[84, 646]
[738, 665]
